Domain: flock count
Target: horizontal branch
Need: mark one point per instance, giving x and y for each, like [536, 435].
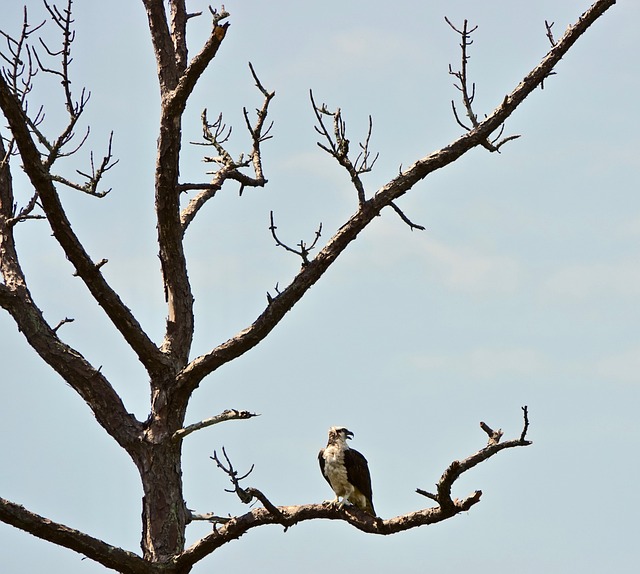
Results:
[228, 415]
[109, 556]
[287, 516]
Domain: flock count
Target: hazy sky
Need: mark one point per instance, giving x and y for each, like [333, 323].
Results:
[522, 290]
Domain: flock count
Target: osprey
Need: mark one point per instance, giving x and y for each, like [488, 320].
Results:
[346, 471]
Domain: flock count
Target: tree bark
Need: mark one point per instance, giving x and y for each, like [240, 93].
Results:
[164, 513]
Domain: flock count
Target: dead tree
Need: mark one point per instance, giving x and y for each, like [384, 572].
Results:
[155, 444]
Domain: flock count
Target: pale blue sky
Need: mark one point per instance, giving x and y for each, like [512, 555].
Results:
[522, 290]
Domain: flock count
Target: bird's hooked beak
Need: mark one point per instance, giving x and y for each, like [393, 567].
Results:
[348, 434]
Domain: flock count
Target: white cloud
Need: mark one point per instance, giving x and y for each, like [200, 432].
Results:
[485, 362]
[472, 270]
[623, 367]
[579, 283]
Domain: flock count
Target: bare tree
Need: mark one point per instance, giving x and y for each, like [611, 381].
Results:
[155, 444]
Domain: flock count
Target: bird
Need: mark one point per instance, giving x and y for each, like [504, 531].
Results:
[346, 471]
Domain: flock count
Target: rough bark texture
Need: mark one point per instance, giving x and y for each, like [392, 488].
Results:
[155, 444]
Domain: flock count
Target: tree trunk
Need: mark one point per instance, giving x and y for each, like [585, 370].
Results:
[164, 514]
[159, 462]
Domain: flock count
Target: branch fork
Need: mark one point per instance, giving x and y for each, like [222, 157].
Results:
[217, 134]
[456, 468]
[303, 249]
[468, 93]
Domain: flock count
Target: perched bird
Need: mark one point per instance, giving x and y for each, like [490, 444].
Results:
[346, 471]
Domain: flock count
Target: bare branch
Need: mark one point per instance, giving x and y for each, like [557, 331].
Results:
[525, 413]
[548, 27]
[468, 93]
[93, 179]
[338, 146]
[62, 322]
[405, 218]
[290, 515]
[216, 135]
[211, 517]
[303, 249]
[48, 197]
[456, 468]
[279, 306]
[186, 81]
[246, 495]
[494, 436]
[228, 415]
[243, 495]
[26, 212]
[103, 553]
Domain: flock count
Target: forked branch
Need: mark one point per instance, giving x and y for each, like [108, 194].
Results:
[456, 468]
[216, 135]
[246, 495]
[277, 307]
[302, 249]
[337, 145]
[468, 91]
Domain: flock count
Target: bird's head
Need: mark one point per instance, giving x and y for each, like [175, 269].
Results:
[339, 434]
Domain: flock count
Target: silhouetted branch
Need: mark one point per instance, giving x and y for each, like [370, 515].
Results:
[548, 27]
[405, 218]
[303, 249]
[228, 469]
[468, 93]
[25, 212]
[456, 468]
[246, 495]
[525, 413]
[338, 145]
[216, 134]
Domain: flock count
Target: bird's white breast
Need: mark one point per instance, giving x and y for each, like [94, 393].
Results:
[335, 470]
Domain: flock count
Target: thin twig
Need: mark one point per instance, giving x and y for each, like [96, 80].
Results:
[405, 218]
[468, 90]
[525, 412]
[303, 249]
[62, 322]
[337, 145]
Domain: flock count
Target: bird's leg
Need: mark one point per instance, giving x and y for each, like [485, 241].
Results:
[346, 496]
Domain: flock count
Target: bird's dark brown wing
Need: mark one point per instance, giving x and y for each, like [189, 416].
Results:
[321, 461]
[358, 472]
